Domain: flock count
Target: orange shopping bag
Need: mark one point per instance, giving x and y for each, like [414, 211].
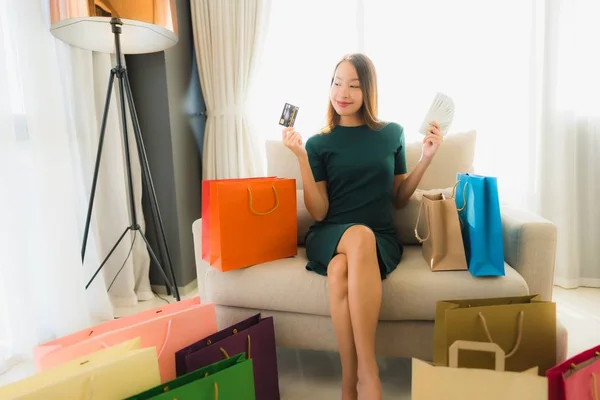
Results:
[206, 184]
[250, 221]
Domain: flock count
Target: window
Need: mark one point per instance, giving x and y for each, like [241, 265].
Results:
[578, 33]
[303, 43]
[464, 48]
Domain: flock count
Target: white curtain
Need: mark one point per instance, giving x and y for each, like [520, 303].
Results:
[50, 109]
[228, 37]
[569, 139]
[521, 73]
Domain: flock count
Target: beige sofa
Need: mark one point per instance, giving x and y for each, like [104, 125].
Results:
[297, 298]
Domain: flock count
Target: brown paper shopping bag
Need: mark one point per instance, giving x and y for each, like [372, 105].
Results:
[524, 327]
[442, 245]
[453, 383]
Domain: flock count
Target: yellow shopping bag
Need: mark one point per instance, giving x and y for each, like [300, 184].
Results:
[116, 372]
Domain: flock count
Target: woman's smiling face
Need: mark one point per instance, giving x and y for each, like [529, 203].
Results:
[346, 94]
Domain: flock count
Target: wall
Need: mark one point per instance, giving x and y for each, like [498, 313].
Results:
[169, 104]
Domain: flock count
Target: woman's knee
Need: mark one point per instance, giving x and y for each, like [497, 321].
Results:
[337, 273]
[357, 238]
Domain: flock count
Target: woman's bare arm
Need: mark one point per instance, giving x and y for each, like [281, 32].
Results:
[315, 193]
[406, 184]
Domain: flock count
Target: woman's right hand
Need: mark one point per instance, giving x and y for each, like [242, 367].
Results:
[293, 141]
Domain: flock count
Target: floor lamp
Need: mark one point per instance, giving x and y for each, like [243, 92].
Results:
[122, 27]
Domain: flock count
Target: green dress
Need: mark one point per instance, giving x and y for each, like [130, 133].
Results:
[359, 165]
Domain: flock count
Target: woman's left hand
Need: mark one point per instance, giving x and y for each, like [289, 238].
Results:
[432, 141]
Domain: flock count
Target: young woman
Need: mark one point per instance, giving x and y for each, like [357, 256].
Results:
[353, 172]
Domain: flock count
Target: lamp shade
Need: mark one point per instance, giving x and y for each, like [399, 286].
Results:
[148, 25]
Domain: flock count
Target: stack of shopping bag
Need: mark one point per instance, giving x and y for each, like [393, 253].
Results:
[254, 337]
[167, 329]
[112, 373]
[507, 344]
[463, 231]
[167, 352]
[502, 349]
[238, 362]
[574, 379]
[248, 221]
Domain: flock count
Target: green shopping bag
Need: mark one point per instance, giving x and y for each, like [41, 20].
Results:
[229, 379]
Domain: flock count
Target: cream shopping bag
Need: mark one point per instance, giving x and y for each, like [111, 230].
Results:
[453, 383]
[115, 373]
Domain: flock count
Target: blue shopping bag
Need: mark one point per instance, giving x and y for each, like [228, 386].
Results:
[479, 213]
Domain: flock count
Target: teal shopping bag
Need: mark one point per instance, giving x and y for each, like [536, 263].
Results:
[479, 213]
[229, 379]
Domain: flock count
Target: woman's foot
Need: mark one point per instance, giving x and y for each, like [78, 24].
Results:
[349, 390]
[369, 390]
[369, 386]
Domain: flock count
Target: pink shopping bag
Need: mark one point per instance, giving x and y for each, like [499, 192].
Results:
[583, 382]
[577, 378]
[167, 329]
[41, 350]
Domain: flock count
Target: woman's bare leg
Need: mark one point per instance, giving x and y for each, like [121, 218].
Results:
[337, 280]
[364, 299]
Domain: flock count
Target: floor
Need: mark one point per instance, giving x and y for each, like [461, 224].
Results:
[316, 375]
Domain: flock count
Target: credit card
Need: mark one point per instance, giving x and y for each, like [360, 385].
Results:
[288, 116]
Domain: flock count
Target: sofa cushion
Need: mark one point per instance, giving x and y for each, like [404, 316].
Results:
[404, 218]
[455, 155]
[409, 293]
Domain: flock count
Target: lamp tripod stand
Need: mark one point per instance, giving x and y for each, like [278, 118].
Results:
[120, 73]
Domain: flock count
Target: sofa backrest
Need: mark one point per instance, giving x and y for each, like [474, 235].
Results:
[456, 155]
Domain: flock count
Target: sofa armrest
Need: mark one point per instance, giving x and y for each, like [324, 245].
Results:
[201, 265]
[530, 248]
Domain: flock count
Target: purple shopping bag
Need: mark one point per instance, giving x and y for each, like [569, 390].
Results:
[254, 336]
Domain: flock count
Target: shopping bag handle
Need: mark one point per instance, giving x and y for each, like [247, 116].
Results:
[226, 354]
[263, 213]
[476, 346]
[575, 367]
[90, 391]
[162, 348]
[215, 386]
[421, 240]
[519, 332]
[464, 195]
[164, 345]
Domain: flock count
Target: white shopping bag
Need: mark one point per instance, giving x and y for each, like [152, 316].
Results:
[452, 383]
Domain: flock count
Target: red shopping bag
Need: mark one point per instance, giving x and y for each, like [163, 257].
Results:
[577, 378]
[248, 221]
